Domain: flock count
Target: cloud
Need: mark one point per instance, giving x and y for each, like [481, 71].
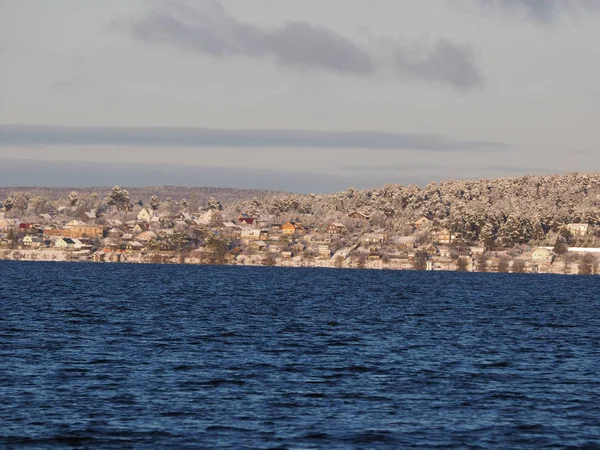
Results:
[207, 28]
[72, 84]
[541, 11]
[16, 173]
[33, 135]
[445, 62]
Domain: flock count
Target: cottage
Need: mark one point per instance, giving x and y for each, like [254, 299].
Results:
[32, 241]
[422, 223]
[134, 246]
[245, 219]
[477, 250]
[324, 251]
[358, 215]
[5, 224]
[375, 238]
[64, 243]
[292, 227]
[542, 254]
[577, 229]
[144, 215]
[445, 237]
[336, 228]
[254, 234]
[431, 250]
[258, 245]
[146, 236]
[406, 242]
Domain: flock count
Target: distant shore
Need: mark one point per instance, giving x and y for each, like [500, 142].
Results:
[48, 255]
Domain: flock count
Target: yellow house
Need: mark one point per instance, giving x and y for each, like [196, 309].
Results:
[292, 227]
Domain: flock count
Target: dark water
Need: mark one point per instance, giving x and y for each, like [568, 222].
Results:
[147, 356]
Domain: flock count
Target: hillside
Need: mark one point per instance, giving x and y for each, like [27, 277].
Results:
[507, 210]
[202, 194]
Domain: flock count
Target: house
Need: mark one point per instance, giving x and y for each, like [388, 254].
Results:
[90, 231]
[422, 223]
[375, 238]
[431, 250]
[445, 237]
[245, 219]
[577, 229]
[358, 215]
[254, 234]
[477, 250]
[91, 215]
[32, 241]
[5, 224]
[74, 223]
[205, 219]
[258, 245]
[146, 236]
[542, 254]
[144, 215]
[324, 251]
[445, 251]
[64, 243]
[405, 242]
[336, 228]
[374, 256]
[134, 246]
[292, 227]
[78, 245]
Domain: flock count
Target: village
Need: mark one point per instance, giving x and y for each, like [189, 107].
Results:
[145, 235]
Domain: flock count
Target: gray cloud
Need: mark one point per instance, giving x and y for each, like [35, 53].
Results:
[14, 173]
[506, 169]
[72, 84]
[33, 135]
[542, 11]
[209, 29]
[445, 62]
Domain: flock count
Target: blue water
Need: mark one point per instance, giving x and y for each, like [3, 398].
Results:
[151, 356]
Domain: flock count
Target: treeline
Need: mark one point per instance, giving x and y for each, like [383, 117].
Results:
[502, 212]
[137, 194]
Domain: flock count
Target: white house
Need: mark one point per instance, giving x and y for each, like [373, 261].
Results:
[64, 243]
[252, 233]
[32, 241]
[578, 229]
[542, 254]
[144, 215]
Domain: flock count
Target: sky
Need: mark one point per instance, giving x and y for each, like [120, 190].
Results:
[302, 96]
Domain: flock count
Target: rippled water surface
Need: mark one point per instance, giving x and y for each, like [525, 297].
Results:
[151, 356]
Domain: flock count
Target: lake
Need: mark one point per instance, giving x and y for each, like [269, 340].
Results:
[143, 356]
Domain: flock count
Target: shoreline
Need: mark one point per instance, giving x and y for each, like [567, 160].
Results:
[26, 255]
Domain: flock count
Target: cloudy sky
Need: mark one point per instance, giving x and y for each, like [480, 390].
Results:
[307, 96]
